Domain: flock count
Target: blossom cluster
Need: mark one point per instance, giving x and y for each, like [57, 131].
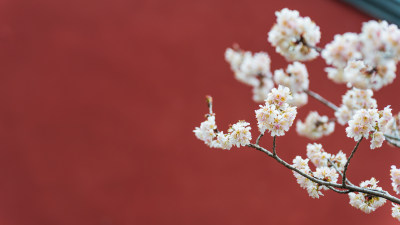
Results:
[294, 36]
[370, 122]
[354, 99]
[366, 60]
[322, 173]
[396, 211]
[276, 115]
[251, 69]
[364, 202]
[296, 79]
[320, 158]
[315, 126]
[393, 128]
[395, 177]
[238, 134]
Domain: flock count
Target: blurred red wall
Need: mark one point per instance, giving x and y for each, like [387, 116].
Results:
[99, 100]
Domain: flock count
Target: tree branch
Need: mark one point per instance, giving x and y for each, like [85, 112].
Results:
[321, 99]
[348, 162]
[259, 137]
[274, 147]
[209, 103]
[392, 143]
[388, 136]
[349, 188]
[339, 191]
[339, 172]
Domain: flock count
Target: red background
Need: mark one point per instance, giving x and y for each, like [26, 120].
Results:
[99, 100]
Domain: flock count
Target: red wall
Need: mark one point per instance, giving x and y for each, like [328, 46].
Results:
[99, 100]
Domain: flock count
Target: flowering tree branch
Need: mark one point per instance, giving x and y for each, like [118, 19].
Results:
[389, 138]
[349, 188]
[365, 62]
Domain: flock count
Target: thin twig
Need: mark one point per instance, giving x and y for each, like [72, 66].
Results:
[304, 42]
[388, 136]
[392, 143]
[337, 170]
[348, 162]
[274, 147]
[209, 103]
[318, 49]
[339, 191]
[259, 137]
[321, 99]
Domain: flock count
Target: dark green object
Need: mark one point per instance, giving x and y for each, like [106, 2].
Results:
[382, 9]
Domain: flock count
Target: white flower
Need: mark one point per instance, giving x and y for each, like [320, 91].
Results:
[352, 101]
[240, 134]
[395, 177]
[396, 211]
[362, 124]
[234, 58]
[259, 63]
[339, 160]
[260, 92]
[327, 174]
[377, 140]
[315, 126]
[276, 115]
[317, 155]
[393, 127]
[251, 69]
[343, 114]
[293, 35]
[335, 74]
[298, 99]
[380, 40]
[365, 76]
[366, 60]
[385, 116]
[320, 158]
[206, 131]
[343, 48]
[370, 122]
[279, 97]
[313, 189]
[301, 164]
[295, 77]
[365, 202]
[224, 141]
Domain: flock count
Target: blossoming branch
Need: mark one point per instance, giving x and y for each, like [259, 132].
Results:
[365, 62]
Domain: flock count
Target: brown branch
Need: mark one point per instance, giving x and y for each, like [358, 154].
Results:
[321, 99]
[349, 188]
[348, 162]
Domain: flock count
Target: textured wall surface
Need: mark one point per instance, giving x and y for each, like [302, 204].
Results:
[98, 100]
